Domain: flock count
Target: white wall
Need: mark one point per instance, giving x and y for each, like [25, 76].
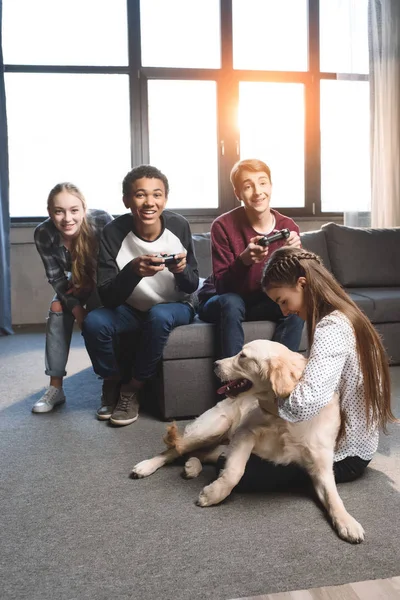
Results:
[31, 294]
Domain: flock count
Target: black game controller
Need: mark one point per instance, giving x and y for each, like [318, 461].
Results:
[283, 234]
[169, 259]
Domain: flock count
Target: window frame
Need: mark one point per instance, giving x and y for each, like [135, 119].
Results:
[227, 81]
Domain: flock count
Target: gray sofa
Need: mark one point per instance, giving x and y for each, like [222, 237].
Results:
[365, 261]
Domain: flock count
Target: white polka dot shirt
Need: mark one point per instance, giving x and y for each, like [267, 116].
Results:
[333, 366]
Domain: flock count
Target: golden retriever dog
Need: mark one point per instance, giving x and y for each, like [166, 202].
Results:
[206, 437]
[249, 422]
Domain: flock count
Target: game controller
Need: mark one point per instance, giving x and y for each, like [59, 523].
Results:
[283, 234]
[169, 259]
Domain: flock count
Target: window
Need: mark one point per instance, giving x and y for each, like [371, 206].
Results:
[345, 157]
[173, 33]
[67, 121]
[191, 86]
[344, 36]
[271, 124]
[344, 106]
[77, 32]
[183, 136]
[59, 135]
[264, 38]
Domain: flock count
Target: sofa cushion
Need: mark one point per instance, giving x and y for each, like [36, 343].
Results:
[315, 241]
[381, 305]
[364, 257]
[363, 302]
[202, 250]
[197, 339]
[190, 341]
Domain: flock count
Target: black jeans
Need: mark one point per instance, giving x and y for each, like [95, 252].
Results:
[265, 476]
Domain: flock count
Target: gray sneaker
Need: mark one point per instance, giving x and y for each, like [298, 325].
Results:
[49, 400]
[127, 409]
[109, 399]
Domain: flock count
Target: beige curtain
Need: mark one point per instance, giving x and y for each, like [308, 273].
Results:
[384, 49]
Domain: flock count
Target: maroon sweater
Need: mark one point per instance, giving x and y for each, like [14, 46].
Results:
[230, 236]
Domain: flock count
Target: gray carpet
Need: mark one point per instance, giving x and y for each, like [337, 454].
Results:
[75, 526]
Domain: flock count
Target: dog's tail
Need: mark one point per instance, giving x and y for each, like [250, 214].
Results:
[173, 438]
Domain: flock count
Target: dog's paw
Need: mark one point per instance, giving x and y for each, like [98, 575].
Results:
[203, 499]
[193, 468]
[350, 530]
[210, 495]
[143, 469]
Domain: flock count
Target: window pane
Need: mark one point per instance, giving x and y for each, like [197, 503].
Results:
[183, 140]
[67, 128]
[345, 159]
[344, 36]
[271, 121]
[77, 32]
[180, 33]
[270, 35]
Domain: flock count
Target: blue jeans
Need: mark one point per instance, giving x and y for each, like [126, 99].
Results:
[228, 311]
[148, 330]
[59, 327]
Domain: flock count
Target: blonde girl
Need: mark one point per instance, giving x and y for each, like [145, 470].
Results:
[68, 245]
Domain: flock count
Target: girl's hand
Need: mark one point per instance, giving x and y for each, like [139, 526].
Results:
[254, 253]
[83, 291]
[147, 265]
[72, 290]
[293, 240]
[79, 313]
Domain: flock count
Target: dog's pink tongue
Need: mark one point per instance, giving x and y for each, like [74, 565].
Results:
[223, 388]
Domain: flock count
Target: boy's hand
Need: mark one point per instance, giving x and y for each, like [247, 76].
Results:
[293, 240]
[179, 265]
[254, 253]
[143, 267]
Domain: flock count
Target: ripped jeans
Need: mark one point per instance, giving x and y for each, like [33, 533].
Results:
[59, 327]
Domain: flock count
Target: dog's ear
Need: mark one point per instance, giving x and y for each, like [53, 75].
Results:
[283, 374]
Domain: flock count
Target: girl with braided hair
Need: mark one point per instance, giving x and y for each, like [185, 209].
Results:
[345, 355]
[68, 245]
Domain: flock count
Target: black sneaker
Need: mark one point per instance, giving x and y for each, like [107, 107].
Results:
[127, 409]
[109, 399]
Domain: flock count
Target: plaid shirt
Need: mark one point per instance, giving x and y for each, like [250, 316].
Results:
[57, 259]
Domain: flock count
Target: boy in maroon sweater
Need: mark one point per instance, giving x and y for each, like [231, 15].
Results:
[232, 294]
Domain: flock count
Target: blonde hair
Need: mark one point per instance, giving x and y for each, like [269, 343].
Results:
[323, 294]
[84, 247]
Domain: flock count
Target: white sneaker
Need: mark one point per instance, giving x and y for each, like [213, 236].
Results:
[49, 400]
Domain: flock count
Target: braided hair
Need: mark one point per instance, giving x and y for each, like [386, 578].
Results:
[284, 268]
[322, 295]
